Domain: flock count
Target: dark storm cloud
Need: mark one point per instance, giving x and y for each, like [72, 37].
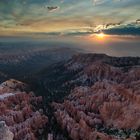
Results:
[126, 30]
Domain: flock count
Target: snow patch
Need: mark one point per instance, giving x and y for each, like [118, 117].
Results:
[5, 95]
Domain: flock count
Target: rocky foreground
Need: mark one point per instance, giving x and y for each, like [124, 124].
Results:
[21, 116]
[103, 103]
[106, 104]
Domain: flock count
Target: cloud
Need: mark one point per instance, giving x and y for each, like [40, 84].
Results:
[68, 33]
[109, 25]
[52, 8]
[124, 30]
[138, 21]
[36, 16]
[98, 2]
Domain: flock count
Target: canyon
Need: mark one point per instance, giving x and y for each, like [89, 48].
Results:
[88, 97]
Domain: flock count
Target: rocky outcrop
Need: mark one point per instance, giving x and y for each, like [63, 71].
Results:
[5, 133]
[105, 103]
[105, 109]
[12, 85]
[21, 111]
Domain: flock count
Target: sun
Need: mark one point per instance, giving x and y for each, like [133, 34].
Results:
[100, 35]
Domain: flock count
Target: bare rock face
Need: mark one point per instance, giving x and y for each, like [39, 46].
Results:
[5, 133]
[12, 85]
[20, 111]
[106, 105]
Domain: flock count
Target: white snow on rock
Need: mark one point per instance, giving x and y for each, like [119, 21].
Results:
[5, 95]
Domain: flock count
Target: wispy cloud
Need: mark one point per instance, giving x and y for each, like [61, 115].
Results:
[73, 17]
[52, 8]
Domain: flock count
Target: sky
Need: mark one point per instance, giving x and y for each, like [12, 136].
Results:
[70, 17]
[90, 22]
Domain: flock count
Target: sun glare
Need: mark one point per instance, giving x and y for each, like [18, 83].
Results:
[100, 35]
